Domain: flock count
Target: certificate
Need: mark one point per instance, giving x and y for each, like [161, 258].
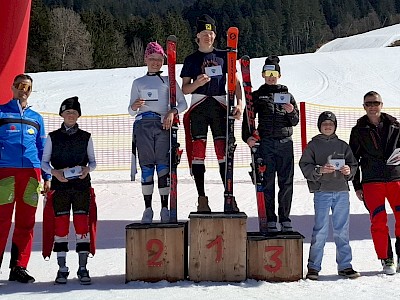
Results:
[281, 98]
[149, 95]
[72, 173]
[213, 71]
[338, 163]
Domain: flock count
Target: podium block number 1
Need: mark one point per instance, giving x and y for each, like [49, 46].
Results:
[274, 264]
[155, 248]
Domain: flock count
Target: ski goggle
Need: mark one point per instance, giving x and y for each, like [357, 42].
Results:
[270, 73]
[22, 86]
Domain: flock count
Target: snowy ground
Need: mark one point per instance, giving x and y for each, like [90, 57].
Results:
[331, 78]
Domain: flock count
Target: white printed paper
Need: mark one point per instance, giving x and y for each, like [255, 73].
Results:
[281, 98]
[213, 71]
[149, 95]
[72, 173]
[394, 158]
[338, 163]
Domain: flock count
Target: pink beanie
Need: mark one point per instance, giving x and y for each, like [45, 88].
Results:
[153, 47]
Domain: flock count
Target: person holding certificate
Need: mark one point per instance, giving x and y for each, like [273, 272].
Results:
[375, 140]
[328, 164]
[277, 115]
[69, 157]
[150, 105]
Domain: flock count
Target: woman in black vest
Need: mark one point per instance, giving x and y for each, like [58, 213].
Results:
[69, 157]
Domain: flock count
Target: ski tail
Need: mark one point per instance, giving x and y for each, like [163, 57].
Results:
[175, 152]
[232, 42]
[257, 165]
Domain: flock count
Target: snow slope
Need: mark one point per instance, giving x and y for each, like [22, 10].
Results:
[332, 78]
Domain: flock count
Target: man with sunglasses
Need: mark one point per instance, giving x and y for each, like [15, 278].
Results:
[22, 138]
[277, 114]
[373, 140]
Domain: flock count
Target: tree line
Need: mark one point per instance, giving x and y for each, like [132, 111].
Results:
[85, 34]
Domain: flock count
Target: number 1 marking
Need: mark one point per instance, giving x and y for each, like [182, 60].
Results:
[218, 241]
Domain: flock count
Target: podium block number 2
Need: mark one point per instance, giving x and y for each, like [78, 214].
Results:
[218, 243]
[155, 248]
[274, 264]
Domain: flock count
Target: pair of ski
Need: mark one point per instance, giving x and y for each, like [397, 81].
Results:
[257, 166]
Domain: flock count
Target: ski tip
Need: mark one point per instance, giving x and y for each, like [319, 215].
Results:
[172, 38]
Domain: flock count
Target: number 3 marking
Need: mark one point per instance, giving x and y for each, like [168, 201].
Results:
[277, 263]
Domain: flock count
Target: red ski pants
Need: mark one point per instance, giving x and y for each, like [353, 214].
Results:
[20, 188]
[374, 198]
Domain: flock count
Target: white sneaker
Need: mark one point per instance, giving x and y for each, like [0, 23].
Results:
[388, 266]
[147, 216]
[164, 214]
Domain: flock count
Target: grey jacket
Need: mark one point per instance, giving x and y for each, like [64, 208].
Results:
[318, 152]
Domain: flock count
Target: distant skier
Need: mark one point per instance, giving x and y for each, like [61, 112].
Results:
[204, 76]
[149, 104]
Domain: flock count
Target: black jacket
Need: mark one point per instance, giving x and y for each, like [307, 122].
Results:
[372, 146]
[273, 120]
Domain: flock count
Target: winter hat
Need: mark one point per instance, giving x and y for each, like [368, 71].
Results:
[70, 103]
[327, 115]
[272, 64]
[153, 47]
[205, 22]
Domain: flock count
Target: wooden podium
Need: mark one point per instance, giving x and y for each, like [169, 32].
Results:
[275, 257]
[217, 247]
[156, 252]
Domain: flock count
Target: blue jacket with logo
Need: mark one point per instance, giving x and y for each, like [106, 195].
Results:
[22, 136]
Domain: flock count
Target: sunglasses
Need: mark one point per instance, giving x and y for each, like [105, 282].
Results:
[372, 103]
[269, 73]
[22, 86]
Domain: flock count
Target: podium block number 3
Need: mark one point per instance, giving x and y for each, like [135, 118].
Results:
[218, 243]
[155, 248]
[274, 263]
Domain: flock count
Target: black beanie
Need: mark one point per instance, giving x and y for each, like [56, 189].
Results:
[327, 115]
[70, 103]
[205, 22]
[272, 64]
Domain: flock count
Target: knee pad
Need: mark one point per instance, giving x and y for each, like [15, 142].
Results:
[147, 173]
[61, 225]
[199, 149]
[220, 148]
[81, 224]
[163, 181]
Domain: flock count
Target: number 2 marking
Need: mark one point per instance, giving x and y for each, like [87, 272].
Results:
[154, 254]
[218, 242]
[277, 263]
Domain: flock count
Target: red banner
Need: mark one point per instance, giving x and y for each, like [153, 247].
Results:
[14, 28]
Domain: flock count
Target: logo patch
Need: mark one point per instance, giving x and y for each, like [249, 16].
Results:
[31, 131]
[208, 27]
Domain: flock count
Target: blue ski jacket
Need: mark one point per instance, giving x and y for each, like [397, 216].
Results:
[22, 136]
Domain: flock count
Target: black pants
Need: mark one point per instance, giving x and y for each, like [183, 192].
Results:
[278, 157]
